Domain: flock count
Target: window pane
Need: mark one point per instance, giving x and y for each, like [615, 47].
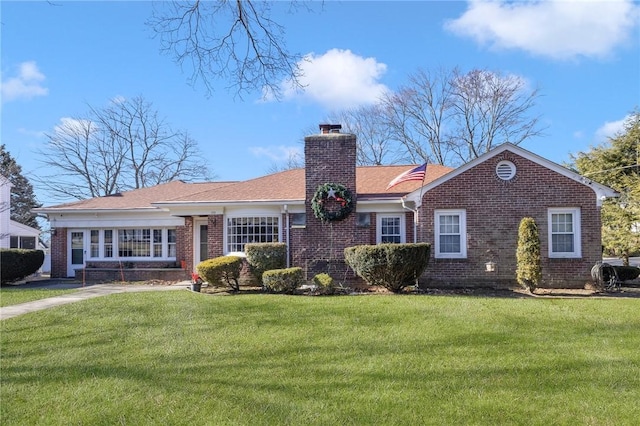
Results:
[14, 242]
[157, 243]
[562, 222]
[77, 248]
[390, 230]
[108, 243]
[95, 243]
[134, 242]
[242, 230]
[171, 244]
[449, 224]
[28, 243]
[204, 242]
[450, 244]
[364, 219]
[562, 243]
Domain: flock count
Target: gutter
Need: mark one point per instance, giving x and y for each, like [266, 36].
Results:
[415, 219]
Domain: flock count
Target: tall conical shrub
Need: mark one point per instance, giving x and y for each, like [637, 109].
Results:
[529, 270]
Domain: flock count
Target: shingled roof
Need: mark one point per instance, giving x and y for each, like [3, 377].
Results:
[288, 185]
[139, 198]
[371, 182]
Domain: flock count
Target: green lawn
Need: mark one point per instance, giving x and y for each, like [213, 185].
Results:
[14, 296]
[185, 358]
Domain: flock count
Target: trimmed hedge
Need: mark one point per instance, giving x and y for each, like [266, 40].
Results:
[221, 271]
[263, 257]
[324, 284]
[283, 280]
[16, 264]
[393, 266]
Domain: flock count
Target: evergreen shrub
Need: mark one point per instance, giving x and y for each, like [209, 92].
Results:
[265, 256]
[528, 269]
[16, 264]
[324, 284]
[393, 266]
[283, 280]
[221, 271]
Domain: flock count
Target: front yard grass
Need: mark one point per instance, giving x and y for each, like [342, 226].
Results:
[186, 358]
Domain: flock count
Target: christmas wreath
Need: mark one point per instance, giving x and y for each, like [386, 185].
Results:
[332, 201]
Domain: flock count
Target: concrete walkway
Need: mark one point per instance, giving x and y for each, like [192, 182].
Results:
[83, 293]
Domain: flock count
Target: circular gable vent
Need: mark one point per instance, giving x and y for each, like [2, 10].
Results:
[506, 170]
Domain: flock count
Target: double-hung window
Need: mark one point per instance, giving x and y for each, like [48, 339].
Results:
[564, 232]
[450, 234]
[390, 228]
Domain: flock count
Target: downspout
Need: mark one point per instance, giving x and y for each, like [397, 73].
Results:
[415, 219]
[287, 238]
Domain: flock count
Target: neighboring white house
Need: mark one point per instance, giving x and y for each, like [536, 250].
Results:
[12, 233]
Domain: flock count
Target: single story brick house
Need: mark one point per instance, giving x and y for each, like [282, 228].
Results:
[470, 215]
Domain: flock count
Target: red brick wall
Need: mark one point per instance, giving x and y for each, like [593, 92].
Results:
[59, 253]
[494, 209]
[184, 243]
[215, 236]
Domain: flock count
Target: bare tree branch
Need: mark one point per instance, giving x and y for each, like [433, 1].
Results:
[376, 145]
[232, 40]
[121, 147]
[449, 118]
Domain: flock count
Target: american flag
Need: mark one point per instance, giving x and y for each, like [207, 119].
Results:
[413, 174]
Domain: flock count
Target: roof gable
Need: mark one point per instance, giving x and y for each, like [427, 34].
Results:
[601, 191]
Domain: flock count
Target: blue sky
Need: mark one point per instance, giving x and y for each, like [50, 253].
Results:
[60, 56]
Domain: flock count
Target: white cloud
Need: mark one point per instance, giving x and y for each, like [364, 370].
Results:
[610, 129]
[26, 85]
[339, 79]
[72, 126]
[277, 153]
[558, 29]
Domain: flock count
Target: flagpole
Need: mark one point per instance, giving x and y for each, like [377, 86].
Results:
[416, 216]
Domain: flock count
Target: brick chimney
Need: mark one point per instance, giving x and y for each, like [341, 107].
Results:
[330, 157]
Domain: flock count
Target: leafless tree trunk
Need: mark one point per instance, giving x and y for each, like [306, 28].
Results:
[234, 40]
[121, 147]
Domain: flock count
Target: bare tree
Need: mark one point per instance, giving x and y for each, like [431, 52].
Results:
[234, 40]
[488, 109]
[448, 117]
[295, 160]
[417, 113]
[376, 146]
[121, 147]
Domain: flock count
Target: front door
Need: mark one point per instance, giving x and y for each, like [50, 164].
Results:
[77, 252]
[200, 243]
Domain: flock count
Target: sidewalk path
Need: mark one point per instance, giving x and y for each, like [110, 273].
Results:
[83, 293]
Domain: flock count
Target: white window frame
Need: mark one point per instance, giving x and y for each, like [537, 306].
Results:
[115, 245]
[462, 215]
[403, 232]
[577, 237]
[227, 219]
